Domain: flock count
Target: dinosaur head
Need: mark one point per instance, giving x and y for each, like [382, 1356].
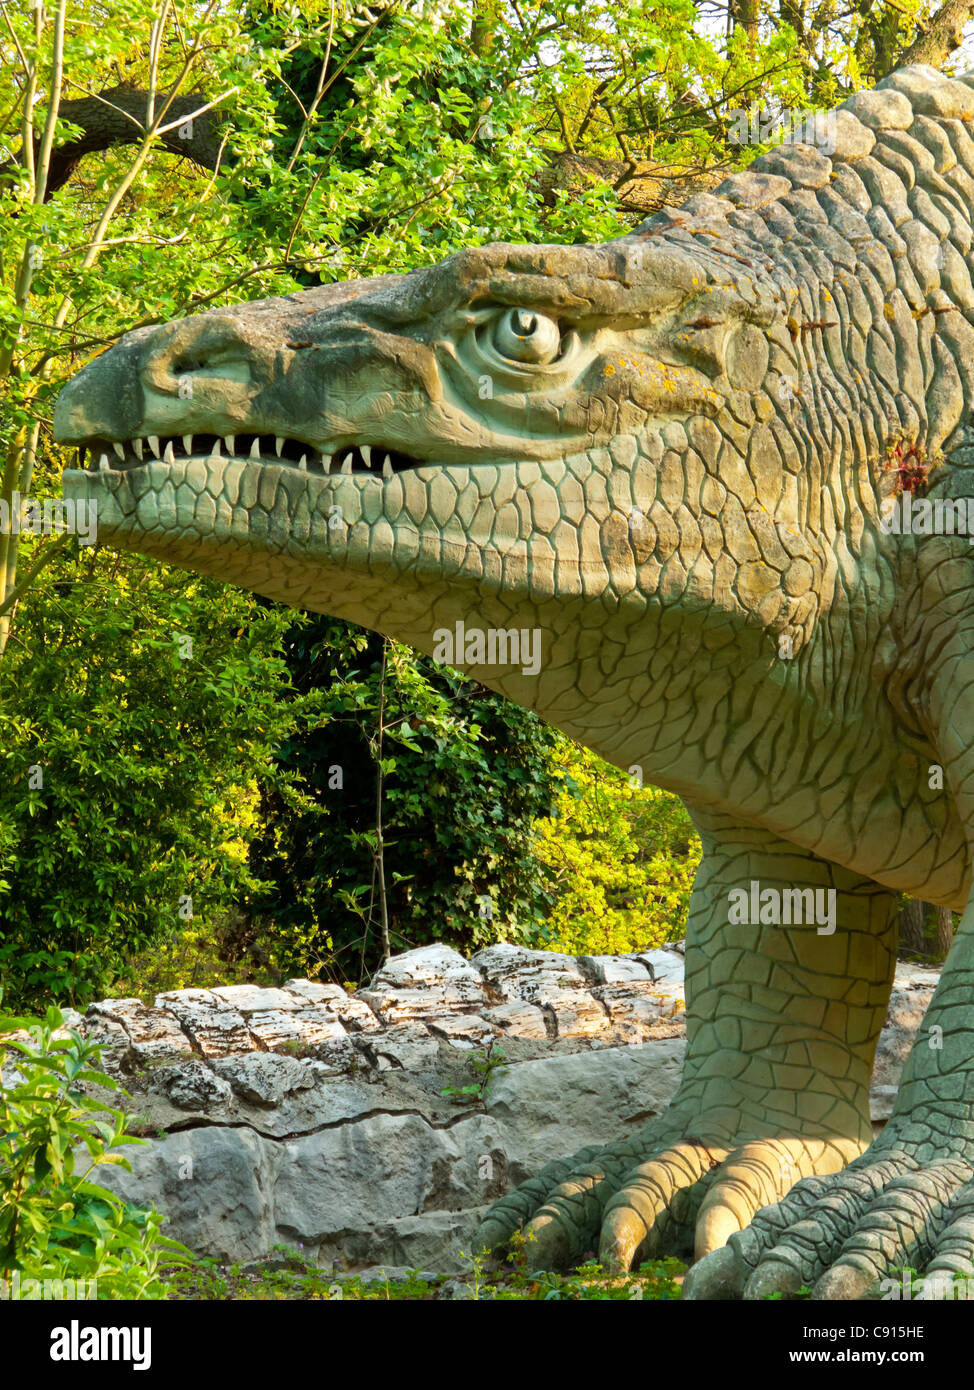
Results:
[501, 431]
[661, 457]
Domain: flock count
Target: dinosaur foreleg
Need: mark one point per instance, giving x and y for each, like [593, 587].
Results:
[782, 1024]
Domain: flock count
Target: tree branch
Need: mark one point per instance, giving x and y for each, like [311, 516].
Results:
[941, 36]
[117, 116]
[642, 185]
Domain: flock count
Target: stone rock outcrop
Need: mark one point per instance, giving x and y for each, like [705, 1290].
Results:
[307, 1116]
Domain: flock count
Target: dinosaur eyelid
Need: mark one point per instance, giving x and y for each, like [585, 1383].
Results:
[526, 335]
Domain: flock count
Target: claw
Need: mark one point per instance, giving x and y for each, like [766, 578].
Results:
[845, 1280]
[719, 1275]
[774, 1276]
[623, 1233]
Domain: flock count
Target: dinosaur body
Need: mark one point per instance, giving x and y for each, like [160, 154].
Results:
[673, 458]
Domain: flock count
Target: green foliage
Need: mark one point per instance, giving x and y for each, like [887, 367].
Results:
[218, 950]
[654, 1280]
[138, 705]
[294, 1276]
[465, 776]
[55, 1222]
[487, 1064]
[621, 860]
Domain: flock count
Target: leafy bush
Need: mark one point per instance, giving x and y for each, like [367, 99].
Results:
[55, 1223]
[621, 860]
[464, 776]
[223, 950]
[137, 707]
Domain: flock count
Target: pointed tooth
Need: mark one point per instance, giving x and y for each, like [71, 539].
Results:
[326, 463]
[103, 464]
[347, 464]
[215, 452]
[170, 455]
[366, 452]
[118, 449]
[255, 447]
[387, 467]
[303, 464]
[154, 444]
[230, 440]
[279, 443]
[188, 444]
[137, 446]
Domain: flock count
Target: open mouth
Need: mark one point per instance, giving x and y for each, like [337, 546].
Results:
[106, 455]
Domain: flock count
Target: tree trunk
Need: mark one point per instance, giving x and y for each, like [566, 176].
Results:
[912, 938]
[748, 13]
[117, 115]
[945, 930]
[939, 37]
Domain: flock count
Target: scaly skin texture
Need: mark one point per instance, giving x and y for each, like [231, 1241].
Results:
[668, 456]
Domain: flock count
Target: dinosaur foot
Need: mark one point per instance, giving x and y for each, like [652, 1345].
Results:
[668, 1190]
[903, 1205]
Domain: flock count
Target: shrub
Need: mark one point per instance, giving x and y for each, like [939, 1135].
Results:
[621, 860]
[464, 776]
[137, 707]
[55, 1223]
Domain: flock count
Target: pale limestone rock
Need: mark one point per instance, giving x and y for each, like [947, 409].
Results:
[467, 1030]
[155, 1034]
[881, 109]
[402, 1005]
[903, 1019]
[213, 1027]
[313, 992]
[518, 1019]
[265, 1078]
[250, 999]
[111, 1036]
[638, 1014]
[334, 1002]
[300, 1028]
[426, 966]
[622, 971]
[193, 1086]
[574, 1013]
[515, 973]
[417, 984]
[389, 1170]
[407, 1045]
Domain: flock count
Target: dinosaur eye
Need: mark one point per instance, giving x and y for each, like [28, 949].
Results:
[521, 335]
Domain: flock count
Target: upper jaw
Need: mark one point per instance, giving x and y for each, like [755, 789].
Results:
[102, 455]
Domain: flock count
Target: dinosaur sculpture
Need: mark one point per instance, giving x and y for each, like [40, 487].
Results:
[674, 457]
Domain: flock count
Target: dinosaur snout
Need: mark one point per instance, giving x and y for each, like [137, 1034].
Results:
[192, 354]
[105, 398]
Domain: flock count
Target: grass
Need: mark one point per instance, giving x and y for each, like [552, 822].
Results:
[294, 1277]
